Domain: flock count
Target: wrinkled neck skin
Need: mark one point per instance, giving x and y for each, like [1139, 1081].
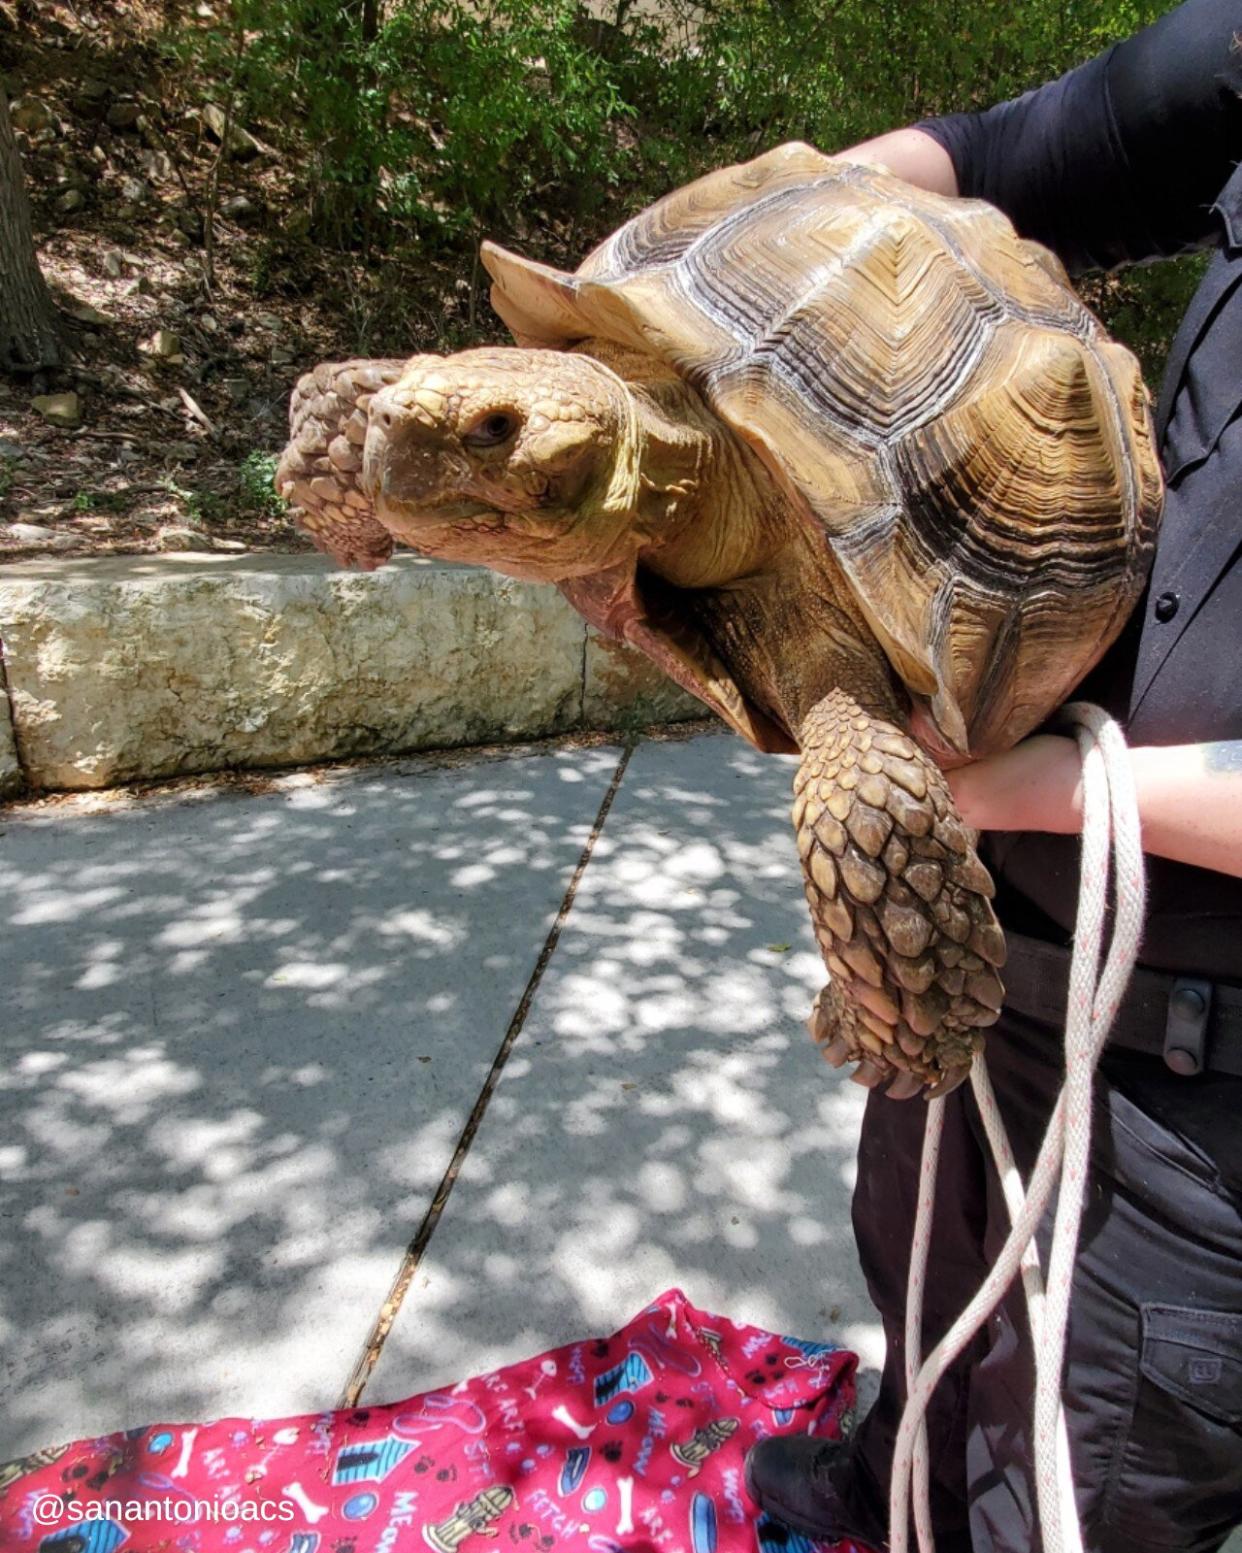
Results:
[707, 510]
[725, 549]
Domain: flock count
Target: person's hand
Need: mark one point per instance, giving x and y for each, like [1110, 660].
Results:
[1037, 785]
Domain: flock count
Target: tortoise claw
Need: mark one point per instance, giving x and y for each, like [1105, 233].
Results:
[868, 1074]
[904, 1087]
[949, 1082]
[836, 1052]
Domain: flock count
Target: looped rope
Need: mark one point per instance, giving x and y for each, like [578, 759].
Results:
[1110, 824]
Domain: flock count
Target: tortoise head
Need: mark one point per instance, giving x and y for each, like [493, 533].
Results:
[544, 464]
[525, 461]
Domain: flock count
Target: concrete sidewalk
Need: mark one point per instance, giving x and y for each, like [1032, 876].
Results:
[247, 1035]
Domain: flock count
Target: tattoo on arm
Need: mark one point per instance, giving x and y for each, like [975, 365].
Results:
[1225, 755]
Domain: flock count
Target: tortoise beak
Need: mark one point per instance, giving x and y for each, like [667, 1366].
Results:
[405, 460]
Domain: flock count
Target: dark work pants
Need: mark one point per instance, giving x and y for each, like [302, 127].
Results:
[1153, 1387]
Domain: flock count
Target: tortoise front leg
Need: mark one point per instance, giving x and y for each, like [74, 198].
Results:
[321, 468]
[900, 903]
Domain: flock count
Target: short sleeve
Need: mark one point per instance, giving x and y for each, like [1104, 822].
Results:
[1122, 158]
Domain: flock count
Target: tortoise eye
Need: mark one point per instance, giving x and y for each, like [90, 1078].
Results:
[491, 431]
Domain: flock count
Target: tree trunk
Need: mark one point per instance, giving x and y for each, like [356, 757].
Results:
[30, 335]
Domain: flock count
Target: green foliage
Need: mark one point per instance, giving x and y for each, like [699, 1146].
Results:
[315, 64]
[256, 485]
[200, 506]
[1144, 306]
[836, 71]
[100, 501]
[420, 126]
[507, 107]
[432, 118]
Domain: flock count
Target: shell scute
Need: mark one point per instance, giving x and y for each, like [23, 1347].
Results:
[1030, 281]
[883, 332]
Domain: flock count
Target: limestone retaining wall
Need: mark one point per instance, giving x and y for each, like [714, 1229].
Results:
[135, 667]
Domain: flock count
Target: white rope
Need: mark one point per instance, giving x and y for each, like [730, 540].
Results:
[1110, 824]
[933, 1130]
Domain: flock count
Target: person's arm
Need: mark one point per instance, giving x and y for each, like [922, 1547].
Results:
[1118, 161]
[1189, 796]
[912, 154]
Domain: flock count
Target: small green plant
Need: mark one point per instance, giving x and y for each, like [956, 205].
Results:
[261, 269]
[255, 481]
[197, 506]
[101, 501]
[184, 496]
[7, 474]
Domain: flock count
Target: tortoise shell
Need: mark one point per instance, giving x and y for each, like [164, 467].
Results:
[926, 387]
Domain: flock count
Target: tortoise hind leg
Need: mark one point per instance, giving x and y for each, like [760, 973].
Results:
[900, 903]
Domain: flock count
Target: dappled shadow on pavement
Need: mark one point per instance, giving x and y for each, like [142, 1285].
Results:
[240, 1037]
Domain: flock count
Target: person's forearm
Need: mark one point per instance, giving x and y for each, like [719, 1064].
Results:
[1189, 796]
[912, 155]
[1190, 801]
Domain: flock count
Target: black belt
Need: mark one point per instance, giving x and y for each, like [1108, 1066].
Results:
[1193, 1024]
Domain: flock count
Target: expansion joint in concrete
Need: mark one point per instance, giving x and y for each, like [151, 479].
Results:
[411, 1260]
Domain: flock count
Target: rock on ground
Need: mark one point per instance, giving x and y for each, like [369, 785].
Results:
[15, 536]
[59, 409]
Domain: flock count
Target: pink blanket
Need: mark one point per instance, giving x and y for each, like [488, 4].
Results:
[632, 1442]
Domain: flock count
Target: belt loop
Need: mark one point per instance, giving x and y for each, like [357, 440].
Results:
[1185, 1030]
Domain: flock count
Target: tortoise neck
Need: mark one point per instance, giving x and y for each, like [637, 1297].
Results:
[708, 511]
[714, 512]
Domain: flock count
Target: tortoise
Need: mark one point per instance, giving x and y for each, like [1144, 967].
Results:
[848, 460]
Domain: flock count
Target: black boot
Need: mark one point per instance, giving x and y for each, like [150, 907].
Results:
[809, 1485]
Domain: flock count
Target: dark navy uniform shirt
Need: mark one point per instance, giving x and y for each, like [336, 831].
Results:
[1134, 156]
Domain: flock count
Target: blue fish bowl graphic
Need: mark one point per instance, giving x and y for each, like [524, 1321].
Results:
[87, 1537]
[811, 1351]
[773, 1537]
[783, 1415]
[369, 1461]
[703, 1524]
[632, 1374]
[574, 1470]
[359, 1506]
[303, 1542]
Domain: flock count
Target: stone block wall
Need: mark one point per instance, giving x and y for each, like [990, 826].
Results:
[129, 668]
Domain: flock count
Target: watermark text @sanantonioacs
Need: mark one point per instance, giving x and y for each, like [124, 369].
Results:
[54, 1510]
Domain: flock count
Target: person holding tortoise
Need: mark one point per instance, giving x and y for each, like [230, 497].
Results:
[1132, 156]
